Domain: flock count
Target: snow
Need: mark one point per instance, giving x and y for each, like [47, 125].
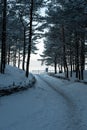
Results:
[76, 95]
[51, 104]
[14, 76]
[73, 76]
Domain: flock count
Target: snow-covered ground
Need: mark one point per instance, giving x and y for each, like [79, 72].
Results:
[52, 104]
[14, 77]
[75, 95]
[73, 78]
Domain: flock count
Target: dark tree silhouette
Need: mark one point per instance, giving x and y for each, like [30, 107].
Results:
[30, 38]
[3, 47]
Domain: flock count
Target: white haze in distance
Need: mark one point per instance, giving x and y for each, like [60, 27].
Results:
[34, 63]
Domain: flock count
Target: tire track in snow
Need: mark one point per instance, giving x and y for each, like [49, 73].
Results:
[73, 114]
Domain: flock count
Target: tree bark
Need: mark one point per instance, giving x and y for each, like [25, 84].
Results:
[3, 48]
[23, 63]
[55, 66]
[82, 57]
[14, 58]
[71, 61]
[77, 55]
[19, 58]
[8, 54]
[30, 38]
[64, 50]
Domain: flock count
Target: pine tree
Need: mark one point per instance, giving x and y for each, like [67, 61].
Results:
[3, 46]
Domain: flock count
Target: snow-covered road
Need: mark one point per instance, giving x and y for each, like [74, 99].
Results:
[49, 105]
[72, 117]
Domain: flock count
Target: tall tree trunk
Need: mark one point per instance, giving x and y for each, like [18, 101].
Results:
[73, 65]
[55, 65]
[82, 57]
[3, 48]
[61, 66]
[14, 58]
[67, 75]
[55, 68]
[77, 55]
[30, 38]
[71, 70]
[23, 63]
[71, 61]
[8, 60]
[19, 58]
[64, 50]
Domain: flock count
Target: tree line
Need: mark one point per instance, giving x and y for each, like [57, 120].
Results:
[66, 35]
[18, 32]
[63, 28]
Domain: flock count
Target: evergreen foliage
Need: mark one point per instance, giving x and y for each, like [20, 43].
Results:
[66, 24]
[15, 32]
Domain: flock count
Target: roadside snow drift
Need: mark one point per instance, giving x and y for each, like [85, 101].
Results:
[14, 80]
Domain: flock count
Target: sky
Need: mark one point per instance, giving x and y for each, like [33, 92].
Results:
[35, 65]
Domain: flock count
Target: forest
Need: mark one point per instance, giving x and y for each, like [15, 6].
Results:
[63, 28]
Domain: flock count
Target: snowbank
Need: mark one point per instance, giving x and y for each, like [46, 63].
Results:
[14, 80]
[73, 78]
